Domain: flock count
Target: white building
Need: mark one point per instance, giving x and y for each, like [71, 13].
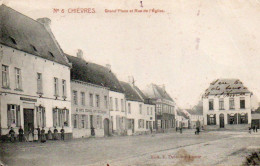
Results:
[90, 98]
[182, 120]
[227, 104]
[35, 77]
[140, 113]
[195, 117]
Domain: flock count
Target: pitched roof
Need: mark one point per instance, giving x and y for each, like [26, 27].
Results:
[156, 92]
[181, 113]
[226, 86]
[25, 34]
[194, 112]
[93, 73]
[130, 92]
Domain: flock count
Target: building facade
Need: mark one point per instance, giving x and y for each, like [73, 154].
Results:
[35, 77]
[140, 114]
[90, 98]
[227, 104]
[164, 107]
[195, 117]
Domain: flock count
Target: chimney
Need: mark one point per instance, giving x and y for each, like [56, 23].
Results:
[163, 86]
[108, 66]
[131, 80]
[80, 54]
[46, 22]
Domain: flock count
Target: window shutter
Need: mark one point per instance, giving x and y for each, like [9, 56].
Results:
[18, 116]
[208, 121]
[54, 117]
[9, 116]
[44, 116]
[235, 119]
[101, 124]
[37, 116]
[228, 117]
[246, 117]
[79, 121]
[95, 121]
[239, 119]
[68, 117]
[86, 121]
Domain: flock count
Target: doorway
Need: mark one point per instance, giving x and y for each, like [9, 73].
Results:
[106, 127]
[221, 121]
[28, 120]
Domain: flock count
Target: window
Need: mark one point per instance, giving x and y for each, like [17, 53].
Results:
[111, 103]
[231, 103]
[82, 98]
[75, 122]
[221, 104]
[97, 101]
[231, 119]
[18, 79]
[40, 116]
[91, 100]
[243, 119]
[211, 104]
[60, 117]
[140, 123]
[83, 124]
[5, 76]
[129, 108]
[34, 48]
[56, 87]
[242, 103]
[75, 97]
[105, 102]
[13, 115]
[39, 83]
[211, 119]
[116, 103]
[64, 87]
[122, 105]
[13, 40]
[147, 110]
[140, 108]
[99, 121]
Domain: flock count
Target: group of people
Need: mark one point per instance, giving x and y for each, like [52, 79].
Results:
[254, 129]
[36, 135]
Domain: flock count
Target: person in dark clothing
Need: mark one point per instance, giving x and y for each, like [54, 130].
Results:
[55, 134]
[255, 128]
[62, 131]
[181, 130]
[39, 133]
[20, 131]
[176, 128]
[43, 137]
[12, 134]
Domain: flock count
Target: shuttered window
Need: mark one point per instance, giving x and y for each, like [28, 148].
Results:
[13, 115]
[40, 116]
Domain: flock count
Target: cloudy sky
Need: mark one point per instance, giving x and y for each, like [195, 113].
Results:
[186, 47]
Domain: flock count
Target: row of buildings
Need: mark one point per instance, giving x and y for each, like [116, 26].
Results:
[41, 86]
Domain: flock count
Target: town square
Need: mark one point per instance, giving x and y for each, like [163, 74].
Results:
[133, 83]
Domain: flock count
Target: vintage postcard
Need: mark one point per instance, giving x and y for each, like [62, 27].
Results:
[130, 82]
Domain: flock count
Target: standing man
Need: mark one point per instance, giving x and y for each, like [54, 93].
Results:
[20, 131]
[62, 131]
[55, 135]
[39, 133]
[12, 134]
[43, 137]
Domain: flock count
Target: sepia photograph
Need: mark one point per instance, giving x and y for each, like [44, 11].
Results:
[129, 83]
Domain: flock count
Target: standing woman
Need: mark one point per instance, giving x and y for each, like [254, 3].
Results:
[30, 139]
[35, 135]
[12, 134]
[49, 134]
[39, 133]
[43, 137]
[20, 131]
[55, 136]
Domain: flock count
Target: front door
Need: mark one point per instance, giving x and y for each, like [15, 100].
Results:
[106, 127]
[221, 121]
[28, 120]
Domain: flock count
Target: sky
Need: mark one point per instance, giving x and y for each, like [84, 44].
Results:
[186, 47]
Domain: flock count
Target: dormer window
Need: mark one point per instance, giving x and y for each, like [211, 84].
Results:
[51, 54]
[34, 48]
[13, 40]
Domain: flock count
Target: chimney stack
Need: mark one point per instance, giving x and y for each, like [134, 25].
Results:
[108, 66]
[46, 22]
[131, 80]
[80, 54]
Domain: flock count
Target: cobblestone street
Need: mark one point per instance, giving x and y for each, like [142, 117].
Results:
[160, 149]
